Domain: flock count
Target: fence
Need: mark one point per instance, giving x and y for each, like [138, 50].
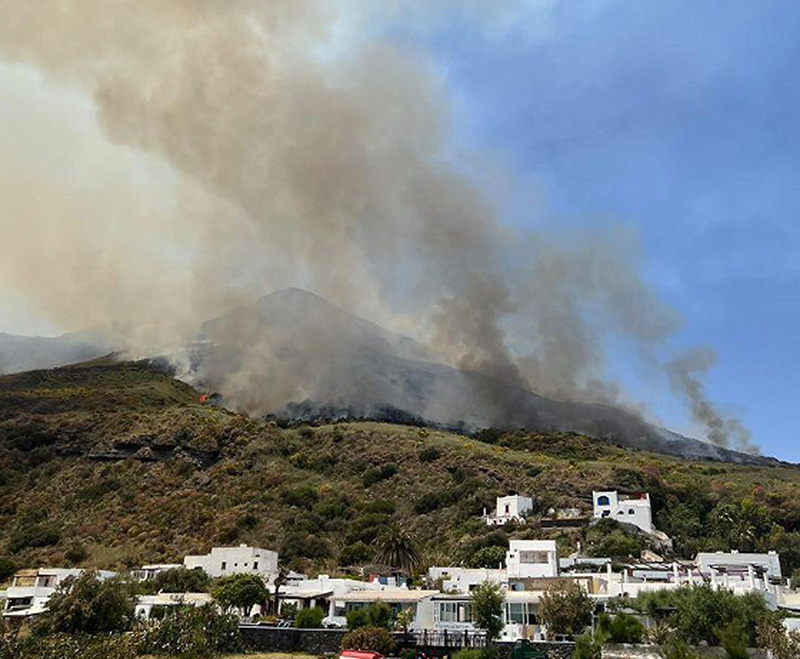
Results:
[328, 641]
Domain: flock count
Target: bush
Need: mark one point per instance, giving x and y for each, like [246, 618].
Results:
[302, 497]
[587, 647]
[377, 474]
[78, 646]
[378, 614]
[621, 628]
[429, 454]
[700, 612]
[193, 633]
[34, 535]
[309, 618]
[369, 639]
[734, 638]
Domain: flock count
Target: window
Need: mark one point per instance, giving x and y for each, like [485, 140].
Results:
[508, 509]
[255, 565]
[223, 566]
[603, 501]
[621, 512]
[533, 557]
[518, 613]
[631, 511]
[454, 612]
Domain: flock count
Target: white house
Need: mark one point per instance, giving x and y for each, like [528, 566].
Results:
[145, 604]
[223, 561]
[633, 510]
[465, 579]
[323, 592]
[512, 508]
[527, 559]
[31, 589]
[148, 572]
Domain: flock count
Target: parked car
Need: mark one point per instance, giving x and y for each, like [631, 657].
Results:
[359, 654]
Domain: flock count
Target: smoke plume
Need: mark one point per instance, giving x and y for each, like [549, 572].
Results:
[239, 150]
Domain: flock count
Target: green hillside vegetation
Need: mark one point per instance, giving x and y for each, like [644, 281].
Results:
[110, 465]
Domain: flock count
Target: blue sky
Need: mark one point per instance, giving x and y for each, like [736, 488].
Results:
[681, 119]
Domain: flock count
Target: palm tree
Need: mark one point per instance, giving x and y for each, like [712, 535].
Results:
[397, 548]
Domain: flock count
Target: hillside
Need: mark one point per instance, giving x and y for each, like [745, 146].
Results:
[111, 464]
[298, 357]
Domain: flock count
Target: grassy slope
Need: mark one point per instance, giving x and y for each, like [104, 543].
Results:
[312, 491]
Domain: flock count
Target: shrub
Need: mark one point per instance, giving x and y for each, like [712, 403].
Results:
[429, 454]
[734, 638]
[587, 647]
[309, 618]
[301, 545]
[193, 633]
[621, 628]
[78, 646]
[302, 497]
[378, 614]
[701, 611]
[377, 474]
[369, 639]
[34, 535]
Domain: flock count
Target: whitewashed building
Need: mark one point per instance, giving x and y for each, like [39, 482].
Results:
[634, 509]
[31, 590]
[532, 559]
[466, 579]
[512, 508]
[149, 572]
[146, 604]
[224, 561]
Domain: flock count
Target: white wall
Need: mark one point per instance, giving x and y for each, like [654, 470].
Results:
[223, 561]
[532, 559]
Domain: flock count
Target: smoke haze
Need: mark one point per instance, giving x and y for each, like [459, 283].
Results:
[243, 151]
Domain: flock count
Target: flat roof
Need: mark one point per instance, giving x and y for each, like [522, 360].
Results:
[394, 595]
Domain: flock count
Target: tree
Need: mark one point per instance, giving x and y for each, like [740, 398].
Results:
[565, 608]
[91, 605]
[397, 548]
[7, 569]
[487, 609]
[181, 580]
[240, 592]
[281, 578]
[489, 557]
[739, 526]
[773, 636]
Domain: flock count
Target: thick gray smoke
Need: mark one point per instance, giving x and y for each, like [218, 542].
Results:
[723, 430]
[257, 154]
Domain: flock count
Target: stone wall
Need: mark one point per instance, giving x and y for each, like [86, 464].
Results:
[652, 652]
[327, 641]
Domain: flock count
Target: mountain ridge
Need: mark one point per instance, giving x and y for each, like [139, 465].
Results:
[298, 357]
